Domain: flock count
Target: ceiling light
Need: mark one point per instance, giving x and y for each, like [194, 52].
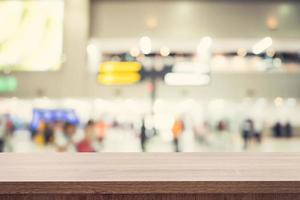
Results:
[262, 45]
[145, 45]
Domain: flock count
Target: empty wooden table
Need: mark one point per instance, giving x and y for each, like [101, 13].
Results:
[134, 176]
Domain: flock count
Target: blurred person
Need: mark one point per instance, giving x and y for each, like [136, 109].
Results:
[200, 132]
[247, 131]
[58, 127]
[155, 131]
[258, 130]
[2, 133]
[64, 139]
[277, 129]
[86, 144]
[177, 130]
[10, 126]
[115, 123]
[39, 136]
[222, 126]
[288, 129]
[49, 134]
[101, 129]
[9, 129]
[44, 135]
[143, 136]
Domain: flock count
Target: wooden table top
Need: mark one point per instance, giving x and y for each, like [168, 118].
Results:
[150, 172]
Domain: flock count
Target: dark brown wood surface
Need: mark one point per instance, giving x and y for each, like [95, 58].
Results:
[242, 175]
[153, 197]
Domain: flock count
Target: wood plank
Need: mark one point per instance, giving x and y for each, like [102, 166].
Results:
[154, 197]
[149, 173]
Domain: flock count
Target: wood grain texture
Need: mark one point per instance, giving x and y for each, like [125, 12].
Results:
[148, 187]
[150, 173]
[155, 197]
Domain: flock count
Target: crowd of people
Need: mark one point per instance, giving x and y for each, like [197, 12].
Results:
[254, 131]
[63, 136]
[59, 136]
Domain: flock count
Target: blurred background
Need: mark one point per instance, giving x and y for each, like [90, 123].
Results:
[149, 75]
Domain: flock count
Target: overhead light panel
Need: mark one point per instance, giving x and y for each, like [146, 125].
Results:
[145, 45]
[262, 45]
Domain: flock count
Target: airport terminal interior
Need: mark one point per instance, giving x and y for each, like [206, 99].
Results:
[149, 76]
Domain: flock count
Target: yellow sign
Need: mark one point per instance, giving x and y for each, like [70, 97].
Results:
[119, 78]
[119, 73]
[113, 66]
